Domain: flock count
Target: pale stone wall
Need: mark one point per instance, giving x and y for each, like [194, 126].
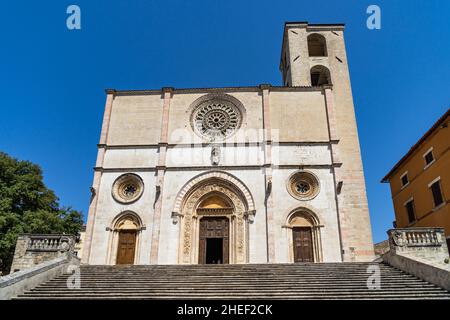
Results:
[108, 209]
[298, 115]
[323, 205]
[133, 120]
[131, 158]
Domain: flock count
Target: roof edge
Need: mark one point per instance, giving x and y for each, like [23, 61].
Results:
[237, 88]
[430, 131]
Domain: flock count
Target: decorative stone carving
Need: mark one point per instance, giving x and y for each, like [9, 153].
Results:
[215, 155]
[190, 221]
[216, 119]
[303, 185]
[127, 188]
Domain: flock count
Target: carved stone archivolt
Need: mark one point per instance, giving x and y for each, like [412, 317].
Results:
[191, 214]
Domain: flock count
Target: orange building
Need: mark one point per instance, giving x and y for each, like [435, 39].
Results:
[420, 181]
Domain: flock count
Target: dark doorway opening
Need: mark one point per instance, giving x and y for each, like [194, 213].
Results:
[214, 250]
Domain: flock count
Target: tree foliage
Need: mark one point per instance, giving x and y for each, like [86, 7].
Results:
[28, 206]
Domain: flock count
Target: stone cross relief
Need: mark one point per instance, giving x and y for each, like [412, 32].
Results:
[215, 155]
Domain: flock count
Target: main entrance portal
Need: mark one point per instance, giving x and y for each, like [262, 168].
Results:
[213, 211]
[214, 240]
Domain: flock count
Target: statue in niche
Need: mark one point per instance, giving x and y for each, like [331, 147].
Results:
[215, 155]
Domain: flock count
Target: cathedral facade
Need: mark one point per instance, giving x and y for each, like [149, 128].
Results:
[264, 174]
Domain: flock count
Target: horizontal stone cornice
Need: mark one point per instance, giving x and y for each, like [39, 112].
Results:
[222, 144]
[202, 168]
[214, 90]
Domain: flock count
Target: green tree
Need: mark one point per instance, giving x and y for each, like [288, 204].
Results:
[28, 206]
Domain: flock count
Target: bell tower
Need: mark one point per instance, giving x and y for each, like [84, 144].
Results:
[314, 55]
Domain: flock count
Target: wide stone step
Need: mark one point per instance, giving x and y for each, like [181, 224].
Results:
[249, 295]
[257, 281]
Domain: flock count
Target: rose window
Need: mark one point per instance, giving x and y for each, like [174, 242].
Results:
[216, 119]
[127, 188]
[303, 185]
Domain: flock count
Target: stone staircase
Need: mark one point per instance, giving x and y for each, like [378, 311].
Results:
[250, 281]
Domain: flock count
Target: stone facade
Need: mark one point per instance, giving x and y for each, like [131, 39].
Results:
[243, 145]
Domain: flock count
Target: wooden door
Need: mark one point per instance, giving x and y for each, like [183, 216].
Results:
[126, 248]
[214, 227]
[303, 246]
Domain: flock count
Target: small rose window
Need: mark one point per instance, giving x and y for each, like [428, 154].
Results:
[127, 188]
[303, 185]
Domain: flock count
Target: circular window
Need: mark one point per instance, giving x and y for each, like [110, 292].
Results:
[128, 188]
[216, 119]
[303, 185]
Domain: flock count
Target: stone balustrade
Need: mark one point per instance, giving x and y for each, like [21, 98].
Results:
[405, 239]
[50, 243]
[33, 249]
[421, 252]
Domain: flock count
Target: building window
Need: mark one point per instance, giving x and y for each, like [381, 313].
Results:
[320, 75]
[317, 45]
[303, 185]
[410, 211]
[216, 118]
[127, 188]
[437, 194]
[429, 158]
[404, 179]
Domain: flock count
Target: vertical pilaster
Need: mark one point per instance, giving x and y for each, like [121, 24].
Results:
[335, 161]
[160, 172]
[97, 176]
[267, 136]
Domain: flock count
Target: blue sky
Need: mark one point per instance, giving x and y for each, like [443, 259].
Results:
[52, 79]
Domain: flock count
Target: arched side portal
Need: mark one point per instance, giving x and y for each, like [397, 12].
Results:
[216, 198]
[304, 236]
[125, 238]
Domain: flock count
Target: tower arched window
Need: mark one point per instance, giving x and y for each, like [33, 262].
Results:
[317, 46]
[320, 75]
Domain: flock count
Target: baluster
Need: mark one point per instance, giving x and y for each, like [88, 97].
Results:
[408, 238]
